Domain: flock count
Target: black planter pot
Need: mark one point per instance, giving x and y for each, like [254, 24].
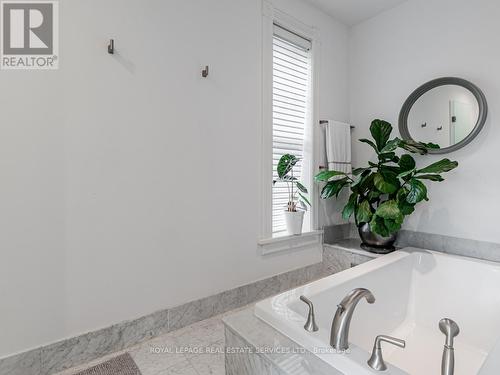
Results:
[375, 243]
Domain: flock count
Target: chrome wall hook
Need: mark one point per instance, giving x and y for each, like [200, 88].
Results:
[204, 72]
[111, 46]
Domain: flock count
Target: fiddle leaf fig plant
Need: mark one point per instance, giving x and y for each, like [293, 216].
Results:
[386, 191]
[297, 192]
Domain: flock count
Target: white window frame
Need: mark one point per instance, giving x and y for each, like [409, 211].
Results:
[271, 16]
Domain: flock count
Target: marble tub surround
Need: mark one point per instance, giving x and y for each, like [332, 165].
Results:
[72, 352]
[334, 233]
[451, 245]
[254, 348]
[346, 254]
[340, 235]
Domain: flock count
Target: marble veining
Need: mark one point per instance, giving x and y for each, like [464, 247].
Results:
[245, 330]
[170, 354]
[29, 363]
[334, 233]
[69, 353]
[451, 245]
[239, 363]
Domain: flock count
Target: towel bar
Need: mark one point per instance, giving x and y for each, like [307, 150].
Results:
[324, 122]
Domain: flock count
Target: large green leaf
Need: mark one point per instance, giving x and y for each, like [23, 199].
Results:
[327, 175]
[333, 188]
[387, 219]
[432, 146]
[356, 186]
[388, 156]
[392, 169]
[390, 173]
[414, 147]
[364, 184]
[367, 141]
[384, 185]
[301, 187]
[406, 162]
[432, 177]
[377, 225]
[304, 198]
[405, 207]
[285, 165]
[417, 192]
[389, 210]
[405, 174]
[381, 131]
[391, 145]
[350, 207]
[440, 166]
[367, 183]
[358, 171]
[364, 212]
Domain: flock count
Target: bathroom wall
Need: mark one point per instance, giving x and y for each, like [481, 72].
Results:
[392, 54]
[129, 183]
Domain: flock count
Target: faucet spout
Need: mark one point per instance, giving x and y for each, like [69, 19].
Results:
[339, 338]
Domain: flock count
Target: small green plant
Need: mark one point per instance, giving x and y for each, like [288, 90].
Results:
[296, 191]
[383, 193]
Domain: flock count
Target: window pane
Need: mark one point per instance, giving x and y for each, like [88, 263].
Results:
[291, 90]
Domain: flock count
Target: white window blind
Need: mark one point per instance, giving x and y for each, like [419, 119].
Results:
[291, 99]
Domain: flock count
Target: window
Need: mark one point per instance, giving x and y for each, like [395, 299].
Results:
[291, 102]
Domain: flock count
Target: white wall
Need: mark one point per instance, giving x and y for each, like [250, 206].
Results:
[129, 183]
[392, 54]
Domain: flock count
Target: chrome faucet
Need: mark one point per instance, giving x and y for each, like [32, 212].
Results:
[451, 330]
[339, 338]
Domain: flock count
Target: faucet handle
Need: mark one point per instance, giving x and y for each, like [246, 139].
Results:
[310, 325]
[376, 361]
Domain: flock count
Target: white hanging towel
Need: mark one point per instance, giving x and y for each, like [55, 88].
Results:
[338, 146]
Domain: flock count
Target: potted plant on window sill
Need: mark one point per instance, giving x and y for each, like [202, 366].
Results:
[297, 200]
[386, 191]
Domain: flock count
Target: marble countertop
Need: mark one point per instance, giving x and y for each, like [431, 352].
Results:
[352, 245]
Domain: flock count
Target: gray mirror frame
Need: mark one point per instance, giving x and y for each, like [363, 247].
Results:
[412, 99]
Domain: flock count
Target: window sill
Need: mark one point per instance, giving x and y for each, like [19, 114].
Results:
[290, 242]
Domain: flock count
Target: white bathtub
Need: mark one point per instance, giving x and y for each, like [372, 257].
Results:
[414, 289]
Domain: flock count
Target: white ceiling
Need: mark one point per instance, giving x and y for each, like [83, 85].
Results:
[352, 12]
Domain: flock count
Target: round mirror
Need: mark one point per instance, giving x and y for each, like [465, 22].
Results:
[449, 112]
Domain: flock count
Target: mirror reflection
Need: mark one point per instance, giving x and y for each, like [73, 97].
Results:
[445, 115]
